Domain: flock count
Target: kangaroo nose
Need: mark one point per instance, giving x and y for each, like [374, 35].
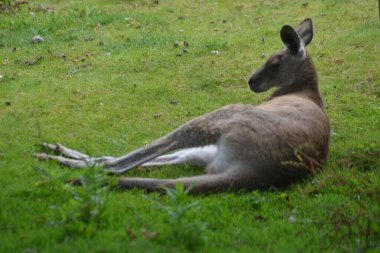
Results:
[255, 84]
[252, 81]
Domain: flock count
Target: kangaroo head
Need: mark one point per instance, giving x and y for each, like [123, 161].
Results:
[290, 66]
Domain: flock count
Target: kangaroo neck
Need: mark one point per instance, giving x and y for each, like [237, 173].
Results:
[308, 90]
[305, 85]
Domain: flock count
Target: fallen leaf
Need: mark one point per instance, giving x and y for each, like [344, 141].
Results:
[292, 219]
[149, 234]
[37, 39]
[130, 234]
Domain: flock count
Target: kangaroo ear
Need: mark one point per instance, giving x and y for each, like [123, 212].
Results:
[290, 38]
[305, 31]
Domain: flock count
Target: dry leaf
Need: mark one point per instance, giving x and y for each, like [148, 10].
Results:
[98, 25]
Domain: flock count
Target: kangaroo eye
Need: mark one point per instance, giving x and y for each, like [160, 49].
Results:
[275, 63]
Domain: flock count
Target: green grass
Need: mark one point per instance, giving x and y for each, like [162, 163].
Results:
[107, 68]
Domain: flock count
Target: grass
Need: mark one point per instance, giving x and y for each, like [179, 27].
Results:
[112, 76]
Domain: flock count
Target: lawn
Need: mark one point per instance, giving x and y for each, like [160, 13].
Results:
[112, 76]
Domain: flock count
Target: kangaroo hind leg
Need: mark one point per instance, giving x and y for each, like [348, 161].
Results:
[209, 183]
[200, 156]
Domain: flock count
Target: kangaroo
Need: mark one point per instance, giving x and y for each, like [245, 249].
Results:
[241, 146]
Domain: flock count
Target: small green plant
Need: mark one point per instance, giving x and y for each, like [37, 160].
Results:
[83, 212]
[88, 203]
[51, 178]
[183, 226]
